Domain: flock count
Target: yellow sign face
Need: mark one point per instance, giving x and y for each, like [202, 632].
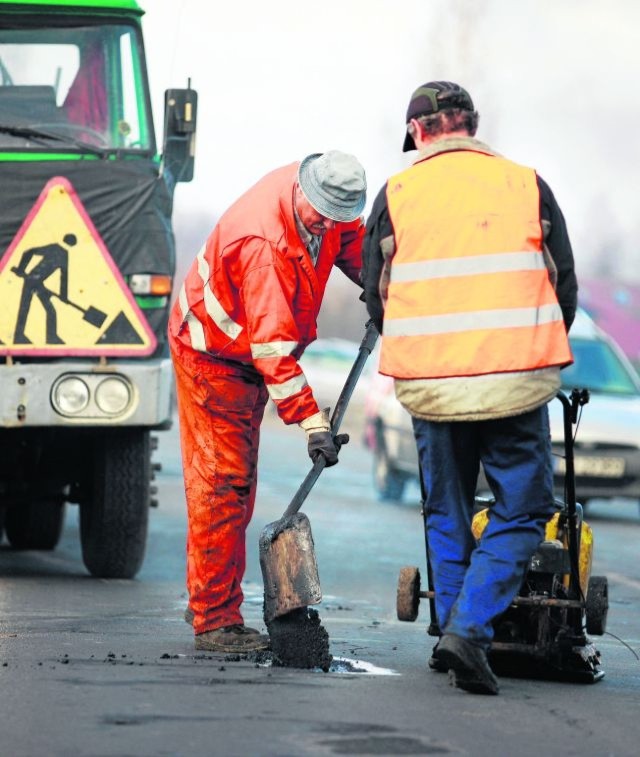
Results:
[60, 291]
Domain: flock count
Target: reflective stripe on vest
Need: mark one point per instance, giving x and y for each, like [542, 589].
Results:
[439, 269]
[469, 292]
[478, 320]
[212, 307]
[196, 332]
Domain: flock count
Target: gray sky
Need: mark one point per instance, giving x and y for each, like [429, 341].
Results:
[554, 81]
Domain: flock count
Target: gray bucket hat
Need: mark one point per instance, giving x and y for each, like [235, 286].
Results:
[334, 183]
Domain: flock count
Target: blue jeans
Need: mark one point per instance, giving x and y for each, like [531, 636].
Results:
[474, 583]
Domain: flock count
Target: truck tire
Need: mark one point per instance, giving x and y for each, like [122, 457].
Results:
[113, 521]
[34, 525]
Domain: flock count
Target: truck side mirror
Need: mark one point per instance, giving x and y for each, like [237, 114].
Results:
[180, 113]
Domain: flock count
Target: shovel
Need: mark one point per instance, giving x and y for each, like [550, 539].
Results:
[287, 557]
[91, 315]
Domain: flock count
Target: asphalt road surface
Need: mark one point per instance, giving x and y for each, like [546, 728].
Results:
[94, 667]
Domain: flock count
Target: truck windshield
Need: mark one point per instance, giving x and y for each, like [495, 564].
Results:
[75, 88]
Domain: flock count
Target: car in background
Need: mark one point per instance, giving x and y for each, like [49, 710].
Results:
[326, 364]
[388, 433]
[607, 438]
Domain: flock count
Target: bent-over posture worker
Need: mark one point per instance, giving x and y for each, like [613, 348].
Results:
[468, 273]
[245, 314]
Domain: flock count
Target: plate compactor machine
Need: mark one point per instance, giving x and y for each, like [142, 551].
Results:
[543, 632]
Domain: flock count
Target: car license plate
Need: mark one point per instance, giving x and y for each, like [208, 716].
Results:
[598, 467]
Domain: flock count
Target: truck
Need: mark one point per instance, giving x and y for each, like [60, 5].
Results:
[87, 261]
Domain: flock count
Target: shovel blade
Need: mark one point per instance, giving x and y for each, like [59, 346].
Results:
[289, 567]
[94, 317]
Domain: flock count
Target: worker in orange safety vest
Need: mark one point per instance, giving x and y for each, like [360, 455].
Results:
[244, 315]
[469, 274]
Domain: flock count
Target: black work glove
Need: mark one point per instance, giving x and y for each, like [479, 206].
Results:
[323, 443]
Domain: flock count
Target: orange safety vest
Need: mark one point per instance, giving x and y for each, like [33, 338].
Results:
[252, 295]
[469, 291]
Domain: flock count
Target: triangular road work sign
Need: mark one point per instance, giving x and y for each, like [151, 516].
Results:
[60, 290]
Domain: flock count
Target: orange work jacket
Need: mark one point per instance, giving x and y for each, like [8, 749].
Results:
[252, 295]
[469, 291]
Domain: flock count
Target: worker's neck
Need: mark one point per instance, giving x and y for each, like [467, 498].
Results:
[426, 140]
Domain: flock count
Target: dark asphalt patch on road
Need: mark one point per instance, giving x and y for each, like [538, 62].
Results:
[370, 745]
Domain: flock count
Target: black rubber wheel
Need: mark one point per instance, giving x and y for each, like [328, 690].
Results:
[408, 596]
[597, 605]
[389, 482]
[34, 525]
[113, 521]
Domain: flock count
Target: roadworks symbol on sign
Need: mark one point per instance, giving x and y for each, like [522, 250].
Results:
[60, 290]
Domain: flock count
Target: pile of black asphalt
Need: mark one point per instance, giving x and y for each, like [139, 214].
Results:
[298, 640]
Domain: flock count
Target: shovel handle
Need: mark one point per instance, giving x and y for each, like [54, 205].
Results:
[365, 349]
[305, 487]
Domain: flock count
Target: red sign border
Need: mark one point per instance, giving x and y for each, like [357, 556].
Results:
[63, 350]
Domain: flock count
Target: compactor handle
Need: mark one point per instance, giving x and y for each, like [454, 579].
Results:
[570, 407]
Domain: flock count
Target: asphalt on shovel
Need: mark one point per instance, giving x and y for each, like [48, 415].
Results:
[287, 557]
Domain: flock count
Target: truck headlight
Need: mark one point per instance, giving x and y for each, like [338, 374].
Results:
[71, 396]
[99, 396]
[112, 396]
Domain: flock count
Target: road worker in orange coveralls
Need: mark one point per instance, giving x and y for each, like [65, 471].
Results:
[243, 317]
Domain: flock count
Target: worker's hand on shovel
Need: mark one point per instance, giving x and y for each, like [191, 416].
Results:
[322, 443]
[320, 440]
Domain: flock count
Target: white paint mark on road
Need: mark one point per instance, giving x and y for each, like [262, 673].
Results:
[345, 665]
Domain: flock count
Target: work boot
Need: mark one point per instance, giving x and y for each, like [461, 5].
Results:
[469, 664]
[236, 638]
[435, 664]
[189, 616]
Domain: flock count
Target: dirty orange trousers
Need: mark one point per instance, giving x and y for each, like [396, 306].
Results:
[220, 406]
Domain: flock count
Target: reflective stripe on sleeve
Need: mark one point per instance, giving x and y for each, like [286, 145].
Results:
[196, 331]
[467, 266]
[213, 307]
[272, 349]
[287, 389]
[475, 321]
[182, 301]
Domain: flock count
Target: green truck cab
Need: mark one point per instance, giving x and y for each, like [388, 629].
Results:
[87, 259]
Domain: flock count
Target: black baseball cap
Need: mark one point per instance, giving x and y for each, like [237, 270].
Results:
[433, 97]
